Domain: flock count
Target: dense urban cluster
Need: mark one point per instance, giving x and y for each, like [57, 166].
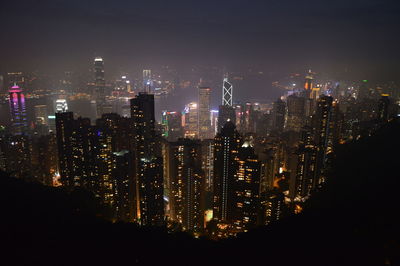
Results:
[207, 172]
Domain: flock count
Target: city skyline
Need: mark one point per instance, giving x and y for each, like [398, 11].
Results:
[199, 132]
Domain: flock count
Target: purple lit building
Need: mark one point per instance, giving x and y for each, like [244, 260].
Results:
[18, 111]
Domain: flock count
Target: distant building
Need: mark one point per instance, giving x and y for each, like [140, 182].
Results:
[278, 115]
[227, 92]
[295, 113]
[147, 81]
[204, 113]
[225, 113]
[19, 124]
[41, 116]
[61, 106]
[191, 120]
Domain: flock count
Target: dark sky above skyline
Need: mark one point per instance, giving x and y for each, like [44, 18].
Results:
[359, 35]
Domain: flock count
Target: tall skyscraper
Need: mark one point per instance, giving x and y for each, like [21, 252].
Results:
[323, 136]
[308, 84]
[147, 80]
[41, 116]
[204, 113]
[123, 173]
[227, 145]
[227, 92]
[214, 121]
[99, 85]
[306, 161]
[19, 124]
[187, 185]
[74, 150]
[247, 189]
[278, 115]
[191, 120]
[149, 177]
[295, 113]
[172, 122]
[99, 78]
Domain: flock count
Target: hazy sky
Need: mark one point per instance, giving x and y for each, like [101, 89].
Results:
[360, 35]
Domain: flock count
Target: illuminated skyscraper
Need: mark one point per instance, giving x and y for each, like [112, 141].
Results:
[214, 121]
[204, 113]
[323, 136]
[124, 185]
[147, 80]
[247, 189]
[41, 117]
[149, 165]
[99, 85]
[226, 149]
[18, 111]
[308, 85]
[306, 160]
[227, 92]
[61, 106]
[295, 113]
[191, 120]
[75, 150]
[187, 185]
[99, 78]
[172, 122]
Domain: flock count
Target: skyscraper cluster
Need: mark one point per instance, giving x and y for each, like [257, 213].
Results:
[203, 171]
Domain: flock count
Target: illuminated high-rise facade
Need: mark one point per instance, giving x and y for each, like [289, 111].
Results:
[41, 117]
[295, 113]
[99, 78]
[100, 159]
[323, 136]
[308, 84]
[191, 120]
[61, 106]
[187, 185]
[18, 111]
[247, 189]
[149, 164]
[227, 92]
[147, 80]
[172, 125]
[74, 142]
[204, 113]
[99, 85]
[226, 148]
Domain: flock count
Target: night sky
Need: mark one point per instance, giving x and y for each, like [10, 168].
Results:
[359, 36]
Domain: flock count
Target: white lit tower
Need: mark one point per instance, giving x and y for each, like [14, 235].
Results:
[227, 92]
[226, 110]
